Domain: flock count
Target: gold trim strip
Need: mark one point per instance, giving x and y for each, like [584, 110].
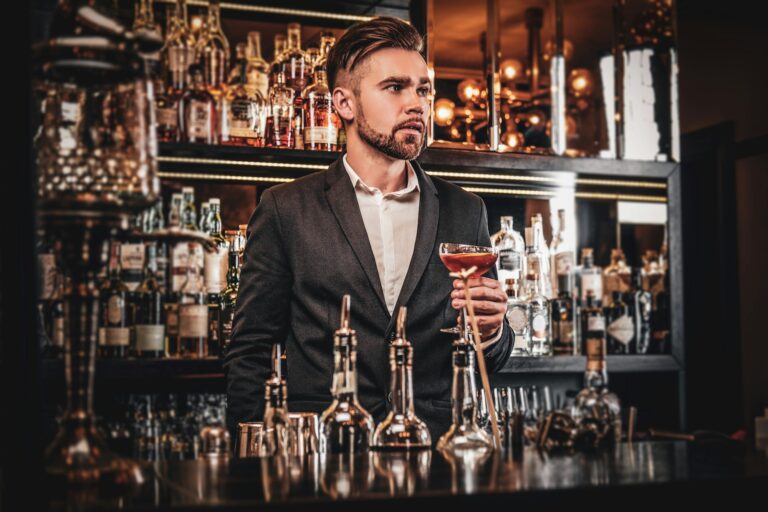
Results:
[222, 177]
[279, 10]
[621, 183]
[621, 197]
[500, 177]
[241, 163]
[510, 191]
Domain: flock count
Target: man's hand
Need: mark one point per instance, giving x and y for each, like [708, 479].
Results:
[489, 302]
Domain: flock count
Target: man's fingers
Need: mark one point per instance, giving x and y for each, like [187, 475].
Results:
[487, 282]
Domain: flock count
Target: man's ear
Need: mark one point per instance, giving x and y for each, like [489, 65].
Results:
[344, 103]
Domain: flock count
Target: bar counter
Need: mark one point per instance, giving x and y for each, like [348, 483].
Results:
[640, 473]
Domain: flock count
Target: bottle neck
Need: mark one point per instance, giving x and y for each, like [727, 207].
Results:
[233, 274]
[214, 225]
[401, 383]
[344, 385]
[294, 38]
[181, 12]
[464, 390]
[114, 260]
[254, 46]
[214, 17]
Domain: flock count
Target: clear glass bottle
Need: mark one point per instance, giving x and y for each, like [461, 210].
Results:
[213, 51]
[564, 315]
[313, 55]
[464, 432]
[150, 310]
[541, 341]
[115, 332]
[216, 264]
[620, 326]
[592, 319]
[236, 70]
[327, 40]
[640, 307]
[258, 69]
[197, 111]
[345, 426]
[193, 317]
[563, 257]
[511, 248]
[276, 420]
[243, 115]
[280, 132]
[616, 276]
[293, 61]
[591, 276]
[542, 250]
[321, 128]
[518, 316]
[179, 49]
[280, 43]
[401, 429]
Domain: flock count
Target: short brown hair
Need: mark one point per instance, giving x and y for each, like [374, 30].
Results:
[363, 39]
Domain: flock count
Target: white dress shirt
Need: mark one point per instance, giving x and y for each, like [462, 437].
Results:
[391, 222]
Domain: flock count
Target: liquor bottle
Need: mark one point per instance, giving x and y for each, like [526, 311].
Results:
[518, 317]
[293, 61]
[327, 40]
[562, 253]
[132, 265]
[620, 327]
[113, 298]
[276, 420]
[511, 249]
[257, 71]
[653, 277]
[213, 51]
[280, 44]
[464, 433]
[661, 320]
[542, 250]
[401, 429]
[321, 123]
[166, 112]
[592, 318]
[564, 315]
[229, 298]
[236, 70]
[616, 276]
[197, 111]
[179, 50]
[174, 212]
[346, 427]
[640, 306]
[243, 115]
[540, 314]
[591, 277]
[150, 310]
[215, 277]
[280, 132]
[193, 318]
[202, 219]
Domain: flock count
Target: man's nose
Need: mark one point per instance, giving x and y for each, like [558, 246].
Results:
[416, 104]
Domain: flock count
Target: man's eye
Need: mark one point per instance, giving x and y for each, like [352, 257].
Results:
[395, 87]
[424, 91]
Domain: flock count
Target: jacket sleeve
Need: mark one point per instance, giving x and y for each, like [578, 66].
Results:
[261, 314]
[496, 355]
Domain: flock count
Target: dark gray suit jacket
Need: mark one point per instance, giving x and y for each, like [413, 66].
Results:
[307, 247]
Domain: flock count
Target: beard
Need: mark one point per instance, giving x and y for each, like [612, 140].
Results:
[406, 149]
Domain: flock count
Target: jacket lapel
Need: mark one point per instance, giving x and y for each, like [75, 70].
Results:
[429, 214]
[344, 205]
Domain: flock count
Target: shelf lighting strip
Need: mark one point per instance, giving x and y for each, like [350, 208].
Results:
[279, 10]
[476, 190]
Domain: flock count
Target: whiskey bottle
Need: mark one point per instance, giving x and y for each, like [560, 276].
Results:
[592, 319]
[179, 50]
[401, 429]
[215, 277]
[620, 327]
[346, 427]
[564, 339]
[193, 318]
[280, 43]
[166, 112]
[132, 265]
[197, 111]
[213, 51]
[293, 62]
[229, 299]
[616, 276]
[150, 310]
[511, 248]
[327, 40]
[281, 117]
[639, 302]
[115, 310]
[591, 277]
[321, 130]
[257, 70]
[236, 70]
[243, 115]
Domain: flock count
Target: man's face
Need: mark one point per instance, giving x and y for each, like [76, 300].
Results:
[392, 99]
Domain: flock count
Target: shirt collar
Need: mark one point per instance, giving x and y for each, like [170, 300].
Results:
[357, 182]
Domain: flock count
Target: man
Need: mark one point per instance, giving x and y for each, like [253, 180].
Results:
[369, 226]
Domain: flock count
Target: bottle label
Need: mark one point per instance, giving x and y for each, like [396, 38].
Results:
[59, 332]
[539, 325]
[167, 117]
[595, 353]
[115, 309]
[46, 264]
[150, 338]
[199, 120]
[216, 266]
[132, 265]
[193, 321]
[321, 135]
[564, 262]
[509, 259]
[563, 331]
[622, 329]
[179, 264]
[592, 282]
[596, 323]
[172, 319]
[117, 336]
[518, 319]
[227, 321]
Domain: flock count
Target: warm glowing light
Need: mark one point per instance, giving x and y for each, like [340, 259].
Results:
[444, 112]
[581, 82]
[549, 49]
[511, 69]
[512, 139]
[196, 23]
[469, 90]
